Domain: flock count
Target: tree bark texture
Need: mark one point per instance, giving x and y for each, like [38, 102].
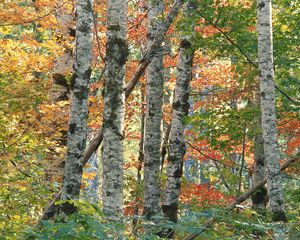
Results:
[78, 116]
[177, 144]
[113, 118]
[63, 64]
[60, 92]
[154, 101]
[267, 94]
[50, 210]
[260, 197]
[140, 159]
[143, 64]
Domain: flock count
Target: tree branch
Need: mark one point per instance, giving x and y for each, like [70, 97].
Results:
[242, 198]
[217, 160]
[143, 64]
[51, 209]
[34, 20]
[246, 56]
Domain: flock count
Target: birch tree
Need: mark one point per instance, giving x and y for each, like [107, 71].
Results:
[267, 94]
[113, 118]
[78, 116]
[154, 101]
[51, 210]
[176, 141]
[143, 64]
[177, 146]
[63, 63]
[60, 89]
[259, 198]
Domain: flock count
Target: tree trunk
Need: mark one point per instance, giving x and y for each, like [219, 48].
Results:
[176, 141]
[113, 118]
[140, 159]
[267, 94]
[166, 125]
[177, 145]
[63, 64]
[51, 209]
[60, 92]
[78, 117]
[260, 197]
[154, 100]
[143, 64]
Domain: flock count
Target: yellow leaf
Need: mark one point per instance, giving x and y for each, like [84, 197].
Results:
[283, 28]
[22, 188]
[16, 217]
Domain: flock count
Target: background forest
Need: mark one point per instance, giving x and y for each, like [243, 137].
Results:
[149, 119]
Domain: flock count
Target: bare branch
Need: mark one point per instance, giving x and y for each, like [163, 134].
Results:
[242, 198]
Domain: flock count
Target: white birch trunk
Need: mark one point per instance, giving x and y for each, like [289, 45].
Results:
[63, 64]
[267, 93]
[113, 118]
[260, 197]
[60, 91]
[78, 117]
[154, 100]
[177, 145]
[143, 64]
[176, 140]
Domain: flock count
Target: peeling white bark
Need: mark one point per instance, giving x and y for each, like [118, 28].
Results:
[78, 116]
[267, 93]
[113, 118]
[153, 121]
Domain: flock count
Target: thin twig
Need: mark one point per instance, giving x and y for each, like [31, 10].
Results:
[241, 198]
[97, 37]
[33, 20]
[216, 160]
[246, 56]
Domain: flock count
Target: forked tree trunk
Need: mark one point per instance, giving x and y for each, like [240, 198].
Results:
[113, 118]
[78, 117]
[154, 100]
[267, 93]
